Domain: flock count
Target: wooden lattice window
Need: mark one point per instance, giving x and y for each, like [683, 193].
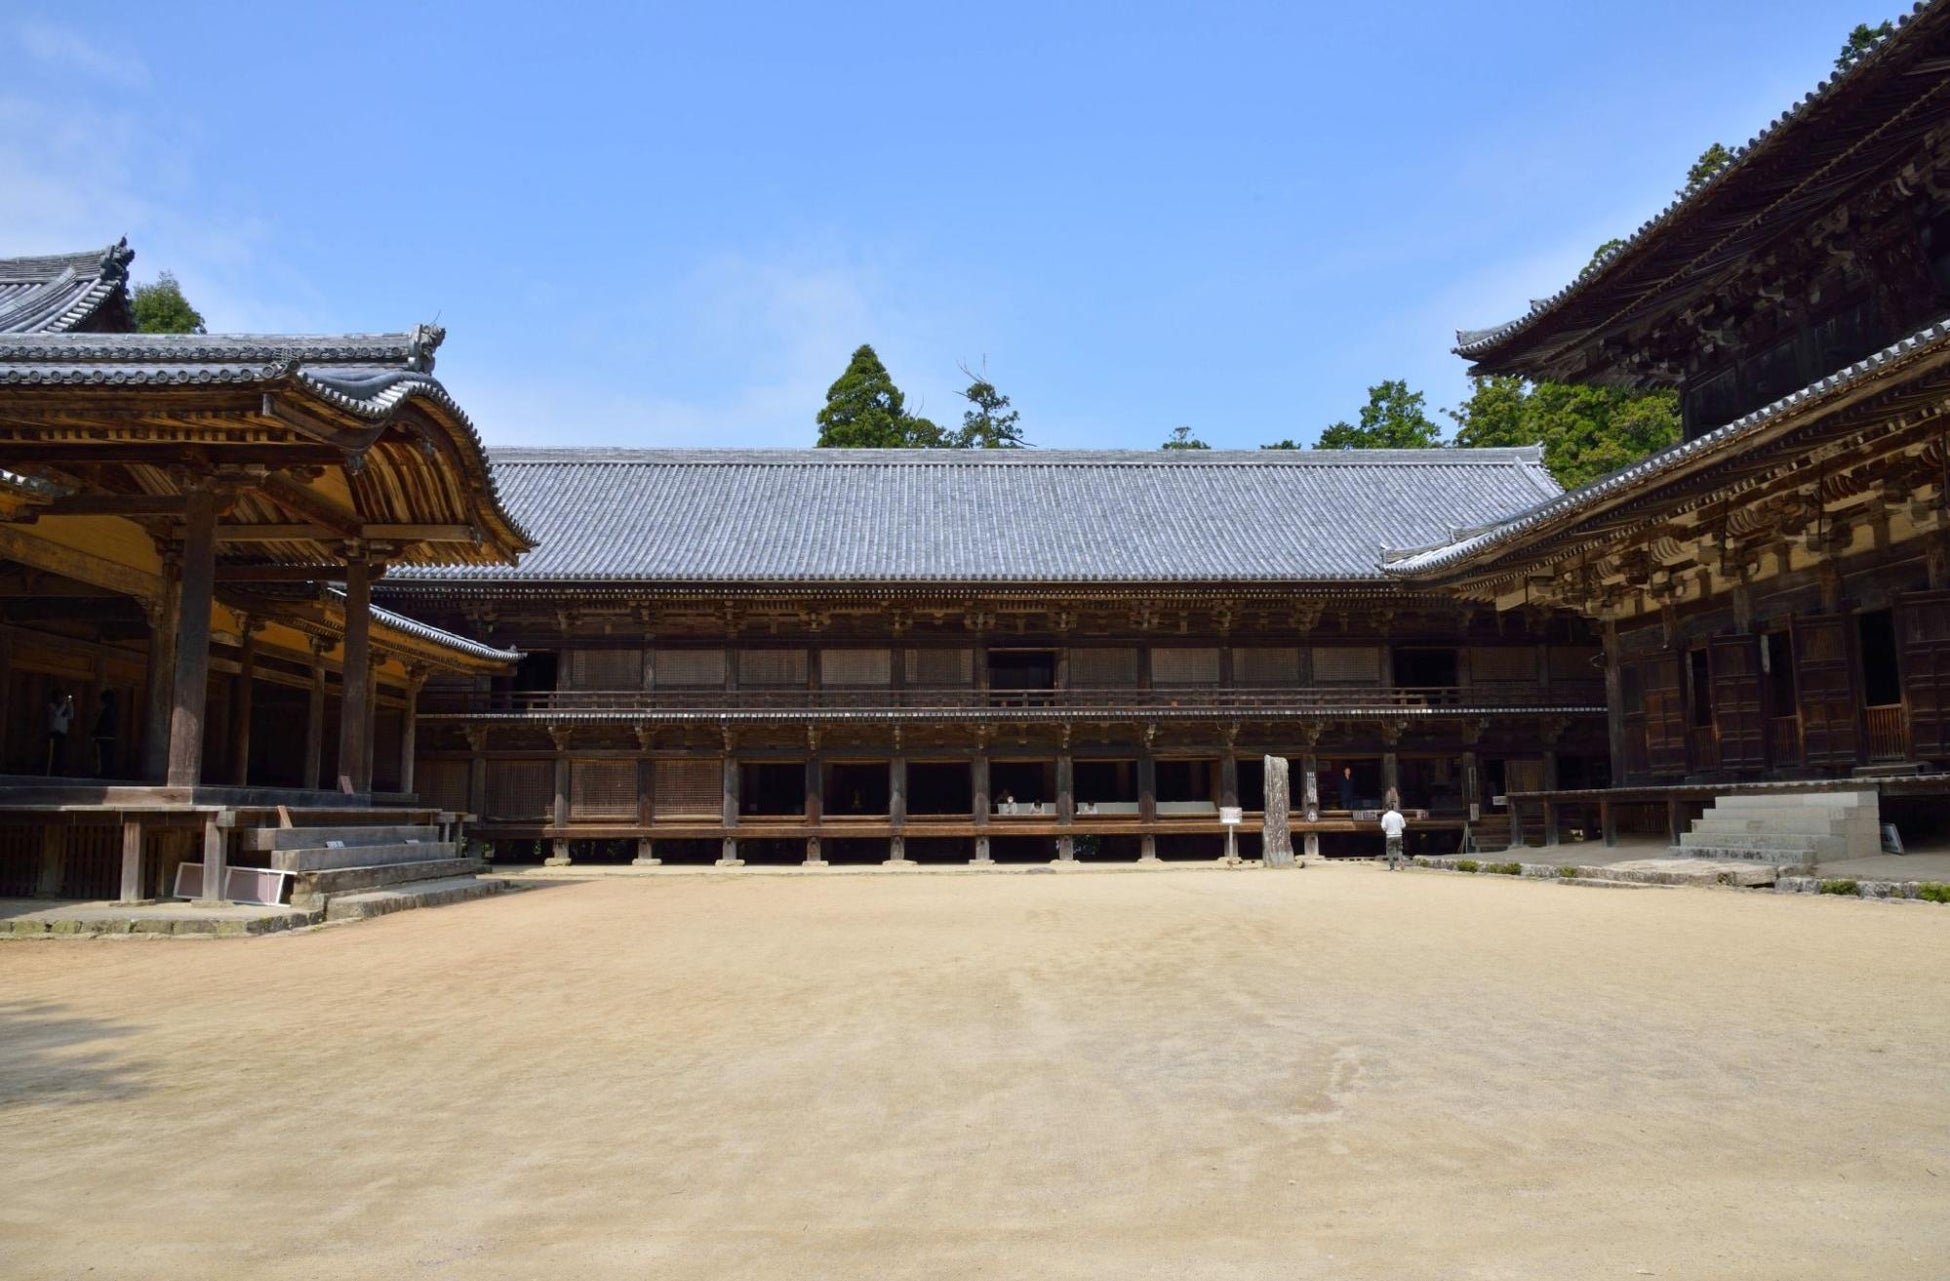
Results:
[1104, 668]
[940, 667]
[692, 667]
[856, 667]
[1347, 664]
[442, 784]
[603, 669]
[602, 789]
[1181, 666]
[687, 789]
[1266, 667]
[783, 667]
[1576, 663]
[520, 790]
[1499, 664]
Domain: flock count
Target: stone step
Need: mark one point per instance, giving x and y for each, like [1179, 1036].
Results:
[400, 898]
[296, 838]
[315, 889]
[321, 860]
[1765, 858]
[1808, 822]
[1605, 883]
[1796, 800]
[1783, 842]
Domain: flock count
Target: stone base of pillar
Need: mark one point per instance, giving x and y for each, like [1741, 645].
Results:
[558, 855]
[646, 862]
[897, 853]
[1148, 850]
[812, 854]
[982, 858]
[1066, 849]
[730, 858]
[1310, 845]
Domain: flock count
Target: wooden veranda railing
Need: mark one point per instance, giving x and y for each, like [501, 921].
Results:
[1888, 732]
[963, 698]
[1784, 741]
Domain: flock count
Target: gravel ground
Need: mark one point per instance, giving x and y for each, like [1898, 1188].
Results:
[1331, 1072]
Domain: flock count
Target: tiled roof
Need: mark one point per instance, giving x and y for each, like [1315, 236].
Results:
[1648, 471]
[65, 292]
[1475, 343]
[989, 516]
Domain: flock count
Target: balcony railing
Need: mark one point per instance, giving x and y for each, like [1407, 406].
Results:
[1888, 732]
[961, 699]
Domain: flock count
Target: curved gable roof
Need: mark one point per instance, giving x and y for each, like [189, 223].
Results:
[67, 293]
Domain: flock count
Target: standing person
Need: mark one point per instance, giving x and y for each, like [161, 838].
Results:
[1347, 787]
[60, 715]
[108, 727]
[1392, 827]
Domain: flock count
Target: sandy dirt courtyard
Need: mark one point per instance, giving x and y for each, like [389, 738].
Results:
[1331, 1072]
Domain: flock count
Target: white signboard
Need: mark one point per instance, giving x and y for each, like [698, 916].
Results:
[1231, 815]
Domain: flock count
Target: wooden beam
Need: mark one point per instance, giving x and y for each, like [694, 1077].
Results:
[422, 533]
[311, 507]
[273, 533]
[23, 546]
[121, 452]
[288, 573]
[109, 505]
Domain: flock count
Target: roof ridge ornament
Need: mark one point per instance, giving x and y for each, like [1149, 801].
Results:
[115, 261]
[420, 346]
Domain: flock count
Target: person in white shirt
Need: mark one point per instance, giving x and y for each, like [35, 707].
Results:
[60, 715]
[1392, 827]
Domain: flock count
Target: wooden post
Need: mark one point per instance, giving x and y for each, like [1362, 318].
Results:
[1608, 823]
[240, 706]
[815, 791]
[1551, 812]
[477, 742]
[54, 859]
[190, 694]
[1066, 799]
[315, 714]
[1229, 780]
[728, 855]
[1672, 818]
[215, 865]
[161, 671]
[1147, 790]
[355, 676]
[131, 861]
[1276, 836]
[1391, 779]
[979, 772]
[409, 728]
[1310, 801]
[1516, 825]
[897, 811]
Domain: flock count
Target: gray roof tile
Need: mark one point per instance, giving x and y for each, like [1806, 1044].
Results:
[1001, 516]
[59, 293]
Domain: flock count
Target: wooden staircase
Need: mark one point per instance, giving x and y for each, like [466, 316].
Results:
[351, 864]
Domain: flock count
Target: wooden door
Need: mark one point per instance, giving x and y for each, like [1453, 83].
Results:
[1923, 639]
[1665, 716]
[1825, 685]
[1735, 665]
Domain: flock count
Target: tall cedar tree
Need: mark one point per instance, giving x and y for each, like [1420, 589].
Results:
[1586, 432]
[1182, 438]
[160, 308]
[864, 410]
[1863, 39]
[1393, 418]
[988, 422]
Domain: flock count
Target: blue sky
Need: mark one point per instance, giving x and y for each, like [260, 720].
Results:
[664, 225]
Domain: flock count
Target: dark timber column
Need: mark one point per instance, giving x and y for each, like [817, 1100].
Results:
[315, 714]
[729, 857]
[164, 616]
[897, 810]
[815, 802]
[131, 861]
[559, 811]
[1147, 790]
[190, 693]
[1229, 779]
[1614, 705]
[409, 727]
[355, 676]
[240, 706]
[979, 771]
[1310, 802]
[1066, 805]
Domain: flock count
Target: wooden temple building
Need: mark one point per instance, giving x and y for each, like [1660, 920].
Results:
[799, 656]
[190, 527]
[1773, 593]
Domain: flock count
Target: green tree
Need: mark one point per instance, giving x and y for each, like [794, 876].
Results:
[864, 410]
[160, 308]
[1182, 438]
[1393, 418]
[988, 422]
[1288, 443]
[1710, 162]
[1586, 432]
[1861, 40]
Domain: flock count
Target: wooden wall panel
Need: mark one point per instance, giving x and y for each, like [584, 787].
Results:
[602, 789]
[1512, 664]
[687, 789]
[1104, 667]
[520, 790]
[677, 668]
[1664, 693]
[856, 667]
[442, 783]
[1923, 633]
[772, 667]
[602, 669]
[1734, 663]
[1825, 684]
[1347, 664]
[954, 667]
[1262, 667]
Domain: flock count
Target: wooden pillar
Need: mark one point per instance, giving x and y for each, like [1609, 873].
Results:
[728, 855]
[315, 715]
[1516, 824]
[477, 742]
[54, 859]
[161, 672]
[355, 677]
[1608, 823]
[1551, 814]
[979, 771]
[897, 811]
[559, 852]
[1147, 790]
[1310, 802]
[240, 706]
[1229, 779]
[215, 863]
[1066, 806]
[1391, 779]
[189, 696]
[815, 791]
[131, 861]
[409, 728]
[1673, 830]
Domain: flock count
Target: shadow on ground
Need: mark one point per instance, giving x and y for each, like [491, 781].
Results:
[49, 1056]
